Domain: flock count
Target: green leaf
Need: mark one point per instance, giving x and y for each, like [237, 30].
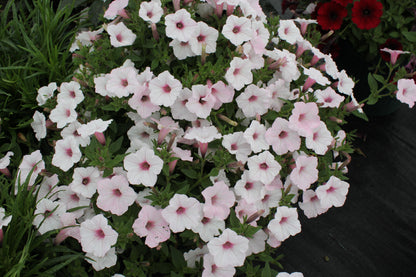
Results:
[266, 271]
[372, 83]
[190, 173]
[177, 258]
[410, 36]
[379, 78]
[372, 99]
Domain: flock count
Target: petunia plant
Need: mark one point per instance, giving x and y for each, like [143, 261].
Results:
[190, 139]
[381, 32]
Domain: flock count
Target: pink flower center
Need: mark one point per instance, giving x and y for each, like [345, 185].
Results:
[265, 198]
[144, 165]
[68, 112]
[205, 220]
[315, 198]
[180, 210]
[47, 213]
[68, 151]
[283, 134]
[144, 135]
[149, 225]
[184, 43]
[85, 181]
[119, 38]
[166, 88]
[99, 234]
[124, 82]
[227, 245]
[315, 136]
[328, 99]
[236, 71]
[248, 186]
[252, 98]
[234, 146]
[213, 268]
[202, 101]
[144, 98]
[302, 116]
[72, 94]
[236, 29]
[74, 197]
[283, 220]
[331, 189]
[149, 14]
[214, 200]
[201, 38]
[117, 192]
[255, 136]
[263, 166]
[179, 25]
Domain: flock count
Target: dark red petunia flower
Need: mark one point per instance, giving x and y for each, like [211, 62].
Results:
[392, 44]
[331, 15]
[343, 3]
[366, 13]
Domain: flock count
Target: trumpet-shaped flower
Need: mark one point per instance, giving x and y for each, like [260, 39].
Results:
[164, 89]
[143, 167]
[333, 193]
[151, 11]
[237, 29]
[239, 74]
[263, 167]
[45, 92]
[406, 91]
[120, 35]
[39, 125]
[218, 201]
[84, 181]
[70, 91]
[97, 236]
[285, 223]
[47, 215]
[180, 25]
[67, 153]
[305, 118]
[122, 81]
[281, 137]
[254, 100]
[305, 173]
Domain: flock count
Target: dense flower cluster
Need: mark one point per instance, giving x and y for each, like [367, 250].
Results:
[220, 150]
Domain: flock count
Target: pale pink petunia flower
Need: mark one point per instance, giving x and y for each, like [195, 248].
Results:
[260, 38]
[84, 181]
[140, 136]
[289, 31]
[63, 114]
[70, 228]
[5, 161]
[208, 228]
[236, 144]
[120, 35]
[229, 249]
[70, 91]
[218, 200]
[48, 188]
[305, 173]
[244, 210]
[97, 236]
[100, 82]
[281, 137]
[179, 109]
[333, 193]
[32, 161]
[201, 101]
[314, 76]
[67, 153]
[249, 50]
[164, 89]
[330, 67]
[195, 255]
[152, 225]
[311, 205]
[252, 8]
[85, 38]
[181, 49]
[255, 136]
[239, 74]
[140, 101]
[165, 125]
[285, 223]
[47, 215]
[4, 220]
[122, 81]
[115, 8]
[99, 263]
[254, 100]
[304, 23]
[237, 29]
[94, 126]
[45, 92]
[328, 98]
[39, 125]
[249, 190]
[294, 274]
[279, 91]
[180, 25]
[71, 200]
[222, 92]
[406, 91]
[115, 195]
[143, 167]
[394, 54]
[320, 140]
[263, 167]
[142, 199]
[151, 11]
[205, 39]
[345, 84]
[211, 269]
[304, 118]
[182, 213]
[72, 131]
[203, 135]
[257, 243]
[270, 200]
[285, 64]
